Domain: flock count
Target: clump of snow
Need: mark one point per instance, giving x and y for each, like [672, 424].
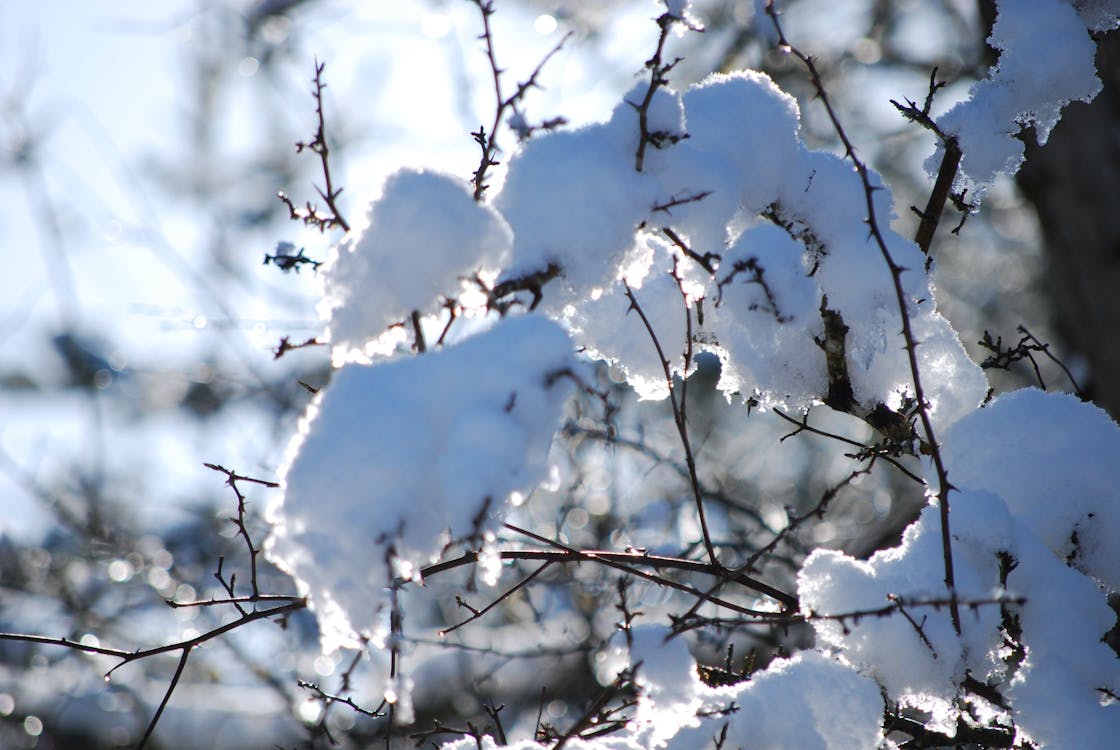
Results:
[742, 141]
[764, 316]
[610, 328]
[392, 457]
[807, 701]
[784, 228]
[1046, 61]
[1056, 695]
[919, 668]
[416, 244]
[1099, 15]
[1037, 501]
[666, 673]
[574, 200]
[1055, 465]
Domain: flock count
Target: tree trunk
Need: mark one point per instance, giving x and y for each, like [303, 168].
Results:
[1074, 184]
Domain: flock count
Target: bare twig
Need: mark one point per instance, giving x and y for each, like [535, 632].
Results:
[678, 403]
[910, 342]
[487, 142]
[232, 478]
[477, 613]
[658, 72]
[1002, 359]
[166, 697]
[286, 345]
[330, 698]
[309, 214]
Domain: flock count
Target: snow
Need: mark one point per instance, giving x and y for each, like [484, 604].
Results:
[416, 244]
[1032, 469]
[396, 458]
[574, 199]
[808, 701]
[392, 457]
[1045, 43]
[1054, 464]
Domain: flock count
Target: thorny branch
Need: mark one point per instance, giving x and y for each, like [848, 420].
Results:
[487, 142]
[286, 345]
[629, 565]
[658, 72]
[946, 173]
[309, 213]
[1002, 359]
[477, 613]
[910, 341]
[679, 403]
[186, 646]
[232, 478]
[630, 562]
[866, 452]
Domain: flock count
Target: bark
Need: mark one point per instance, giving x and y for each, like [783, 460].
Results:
[1074, 184]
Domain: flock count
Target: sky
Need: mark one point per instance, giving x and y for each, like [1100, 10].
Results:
[94, 115]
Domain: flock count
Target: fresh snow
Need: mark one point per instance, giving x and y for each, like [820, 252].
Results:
[401, 454]
[393, 459]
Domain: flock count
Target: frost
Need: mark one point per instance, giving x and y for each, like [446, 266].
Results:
[392, 457]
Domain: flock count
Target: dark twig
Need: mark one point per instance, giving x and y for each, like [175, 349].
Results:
[910, 342]
[494, 713]
[678, 403]
[708, 261]
[329, 698]
[628, 562]
[286, 345]
[817, 511]
[477, 613]
[942, 189]
[166, 697]
[285, 261]
[1002, 359]
[681, 200]
[418, 332]
[487, 142]
[865, 451]
[309, 214]
[595, 714]
[184, 646]
[232, 478]
[658, 72]
[496, 297]
[919, 627]
[757, 275]
[946, 173]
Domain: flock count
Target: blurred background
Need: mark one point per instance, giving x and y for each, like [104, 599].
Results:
[142, 146]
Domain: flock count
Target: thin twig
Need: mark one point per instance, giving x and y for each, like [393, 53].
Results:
[910, 342]
[679, 417]
[477, 613]
[166, 697]
[309, 214]
[488, 142]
